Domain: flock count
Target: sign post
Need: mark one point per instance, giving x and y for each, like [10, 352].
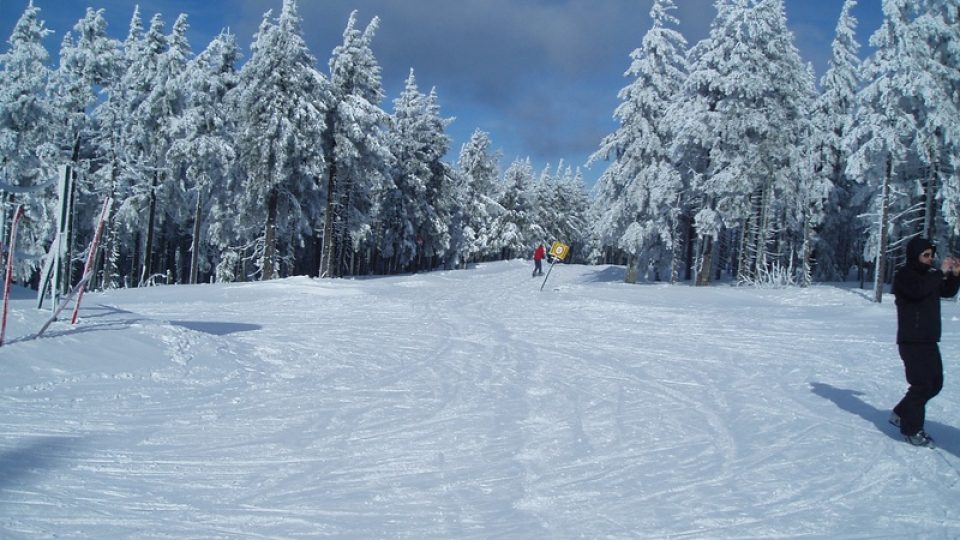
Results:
[559, 252]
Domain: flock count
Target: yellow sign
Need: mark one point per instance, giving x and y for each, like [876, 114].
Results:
[559, 250]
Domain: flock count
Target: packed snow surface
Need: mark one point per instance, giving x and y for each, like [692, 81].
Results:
[470, 404]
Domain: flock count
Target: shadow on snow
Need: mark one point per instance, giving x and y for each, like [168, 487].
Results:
[946, 437]
[34, 457]
[217, 328]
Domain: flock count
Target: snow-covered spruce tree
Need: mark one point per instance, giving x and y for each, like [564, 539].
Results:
[478, 173]
[158, 115]
[139, 119]
[113, 148]
[89, 65]
[639, 195]
[701, 143]
[513, 233]
[787, 198]
[890, 138]
[807, 193]
[941, 28]
[442, 196]
[840, 243]
[356, 149]
[280, 104]
[108, 178]
[799, 194]
[27, 155]
[203, 151]
[937, 31]
[574, 208]
[415, 211]
[562, 210]
[744, 138]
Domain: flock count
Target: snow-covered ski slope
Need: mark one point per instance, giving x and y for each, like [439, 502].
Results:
[468, 404]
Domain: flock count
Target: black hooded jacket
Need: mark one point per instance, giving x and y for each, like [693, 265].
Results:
[918, 289]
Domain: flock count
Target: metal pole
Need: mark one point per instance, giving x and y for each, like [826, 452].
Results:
[545, 278]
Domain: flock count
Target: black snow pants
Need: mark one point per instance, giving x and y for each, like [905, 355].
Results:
[924, 370]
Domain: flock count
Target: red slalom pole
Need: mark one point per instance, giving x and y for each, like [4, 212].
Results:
[12, 245]
[88, 267]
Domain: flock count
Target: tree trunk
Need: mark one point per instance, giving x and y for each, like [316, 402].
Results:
[706, 262]
[632, 263]
[151, 219]
[880, 266]
[930, 192]
[195, 243]
[327, 252]
[111, 251]
[763, 231]
[743, 261]
[329, 146]
[109, 278]
[343, 258]
[807, 254]
[72, 227]
[270, 237]
[679, 241]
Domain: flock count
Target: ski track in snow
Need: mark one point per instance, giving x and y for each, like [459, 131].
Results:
[469, 404]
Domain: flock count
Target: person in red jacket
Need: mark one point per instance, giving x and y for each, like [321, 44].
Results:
[918, 287]
[538, 256]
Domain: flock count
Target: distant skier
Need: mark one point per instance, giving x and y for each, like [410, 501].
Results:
[538, 256]
[918, 288]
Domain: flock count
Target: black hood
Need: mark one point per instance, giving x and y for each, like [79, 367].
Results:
[916, 246]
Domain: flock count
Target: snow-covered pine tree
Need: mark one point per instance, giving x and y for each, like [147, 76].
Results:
[441, 189]
[356, 150]
[280, 104]
[786, 200]
[744, 140]
[574, 207]
[642, 219]
[403, 205]
[478, 173]
[840, 243]
[27, 154]
[941, 27]
[937, 32]
[414, 212]
[135, 131]
[513, 233]
[887, 135]
[808, 193]
[158, 115]
[203, 149]
[795, 207]
[562, 209]
[542, 203]
[701, 145]
[113, 148]
[89, 65]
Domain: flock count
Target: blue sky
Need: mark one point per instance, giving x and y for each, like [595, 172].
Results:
[540, 76]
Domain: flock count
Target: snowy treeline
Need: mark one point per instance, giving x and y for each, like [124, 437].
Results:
[229, 167]
[728, 160]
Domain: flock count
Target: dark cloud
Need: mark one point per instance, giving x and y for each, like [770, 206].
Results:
[488, 49]
[526, 72]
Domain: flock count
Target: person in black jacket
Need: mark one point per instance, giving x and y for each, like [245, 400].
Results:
[918, 288]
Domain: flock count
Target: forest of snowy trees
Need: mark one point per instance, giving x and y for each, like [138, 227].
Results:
[729, 160]
[222, 171]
